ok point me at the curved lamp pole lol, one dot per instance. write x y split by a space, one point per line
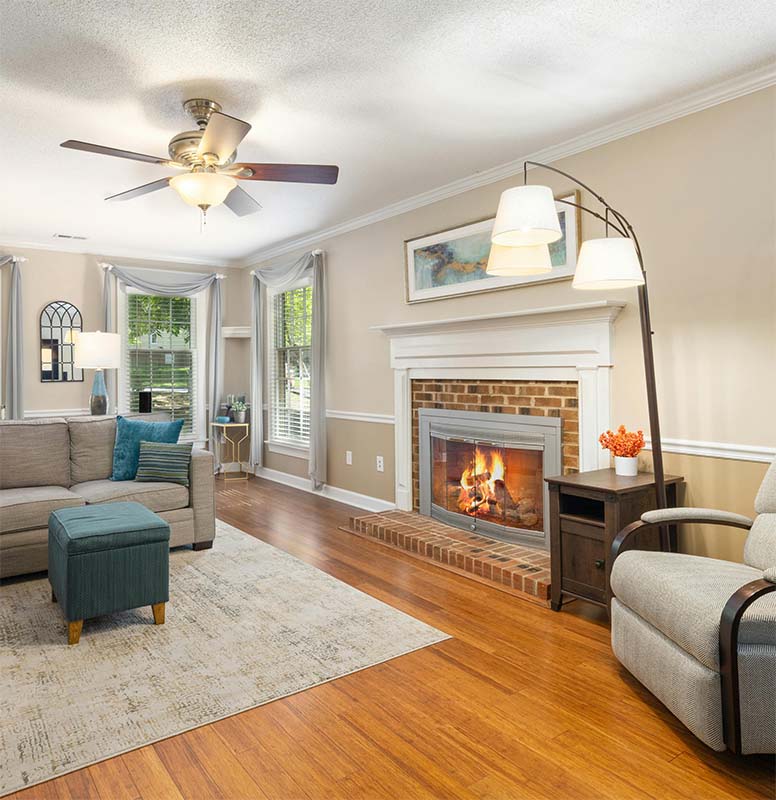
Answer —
521 223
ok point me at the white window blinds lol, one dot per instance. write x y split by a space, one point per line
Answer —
290 338
161 355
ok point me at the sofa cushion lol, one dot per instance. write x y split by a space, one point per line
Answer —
25 509
158 496
91 448
683 597
34 452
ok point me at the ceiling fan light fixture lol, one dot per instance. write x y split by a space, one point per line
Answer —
203 188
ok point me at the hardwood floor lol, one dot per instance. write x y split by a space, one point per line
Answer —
523 703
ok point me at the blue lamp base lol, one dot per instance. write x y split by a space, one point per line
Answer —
98 401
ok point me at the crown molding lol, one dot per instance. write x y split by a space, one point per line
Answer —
118 254
690 104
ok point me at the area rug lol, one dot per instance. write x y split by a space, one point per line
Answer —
246 624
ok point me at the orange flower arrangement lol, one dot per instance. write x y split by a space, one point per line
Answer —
626 444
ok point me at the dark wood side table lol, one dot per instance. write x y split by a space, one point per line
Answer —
587 510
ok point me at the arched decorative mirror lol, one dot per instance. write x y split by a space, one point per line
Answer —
60 322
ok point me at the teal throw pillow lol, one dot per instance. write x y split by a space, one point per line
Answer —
129 434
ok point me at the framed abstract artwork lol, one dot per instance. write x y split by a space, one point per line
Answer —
452 262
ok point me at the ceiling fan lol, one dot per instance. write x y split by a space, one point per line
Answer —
208 156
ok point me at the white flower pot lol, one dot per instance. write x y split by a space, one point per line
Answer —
626 465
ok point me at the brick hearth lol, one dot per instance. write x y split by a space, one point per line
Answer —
518 570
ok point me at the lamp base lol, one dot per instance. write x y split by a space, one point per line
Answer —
98 400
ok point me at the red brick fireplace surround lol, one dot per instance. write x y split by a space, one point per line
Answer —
532 398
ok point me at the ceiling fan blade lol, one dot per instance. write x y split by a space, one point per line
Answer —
289 173
241 203
138 191
222 135
72 144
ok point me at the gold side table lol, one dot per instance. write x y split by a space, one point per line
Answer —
223 427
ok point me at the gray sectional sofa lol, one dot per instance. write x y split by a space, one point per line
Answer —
53 463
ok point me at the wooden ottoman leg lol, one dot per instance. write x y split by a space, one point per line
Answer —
158 609
74 631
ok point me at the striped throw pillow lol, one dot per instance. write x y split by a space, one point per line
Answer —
164 462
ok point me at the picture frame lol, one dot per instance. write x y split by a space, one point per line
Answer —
452 262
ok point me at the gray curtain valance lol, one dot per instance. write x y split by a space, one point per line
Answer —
310 265
169 284
14 360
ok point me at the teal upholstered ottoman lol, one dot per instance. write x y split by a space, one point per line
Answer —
105 558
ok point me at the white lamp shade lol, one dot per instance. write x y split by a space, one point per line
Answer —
526 216
203 188
97 350
514 261
607 264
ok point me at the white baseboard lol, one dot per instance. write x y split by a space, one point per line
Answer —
329 492
736 452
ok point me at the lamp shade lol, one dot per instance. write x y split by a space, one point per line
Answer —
607 264
514 261
97 350
203 188
526 216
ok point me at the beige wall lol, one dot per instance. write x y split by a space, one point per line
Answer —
699 192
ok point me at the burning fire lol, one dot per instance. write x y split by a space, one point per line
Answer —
482 484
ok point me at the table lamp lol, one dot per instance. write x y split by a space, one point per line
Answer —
98 351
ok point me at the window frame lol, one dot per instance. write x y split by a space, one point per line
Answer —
200 302
279 446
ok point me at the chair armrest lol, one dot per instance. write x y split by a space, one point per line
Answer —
668 516
728 653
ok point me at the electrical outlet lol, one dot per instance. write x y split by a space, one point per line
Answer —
380 464
349 457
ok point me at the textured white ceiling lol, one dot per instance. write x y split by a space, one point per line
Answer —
404 95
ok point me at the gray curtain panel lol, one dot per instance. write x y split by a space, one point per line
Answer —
108 326
257 374
14 359
282 277
185 285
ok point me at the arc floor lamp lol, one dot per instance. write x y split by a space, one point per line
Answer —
527 222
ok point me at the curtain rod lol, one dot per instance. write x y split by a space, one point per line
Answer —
107 266
312 253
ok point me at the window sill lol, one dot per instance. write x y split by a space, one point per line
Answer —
288 449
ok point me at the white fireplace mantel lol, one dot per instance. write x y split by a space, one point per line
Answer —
567 343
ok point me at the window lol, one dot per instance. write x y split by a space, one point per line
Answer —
290 338
161 356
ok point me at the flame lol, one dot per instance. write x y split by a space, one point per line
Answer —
478 483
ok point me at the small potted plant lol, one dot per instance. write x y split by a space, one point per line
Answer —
625 446
238 410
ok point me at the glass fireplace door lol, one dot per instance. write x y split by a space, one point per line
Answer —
496 482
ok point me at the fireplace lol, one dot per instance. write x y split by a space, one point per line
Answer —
484 472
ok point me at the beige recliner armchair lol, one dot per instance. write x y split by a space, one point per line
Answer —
700 633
